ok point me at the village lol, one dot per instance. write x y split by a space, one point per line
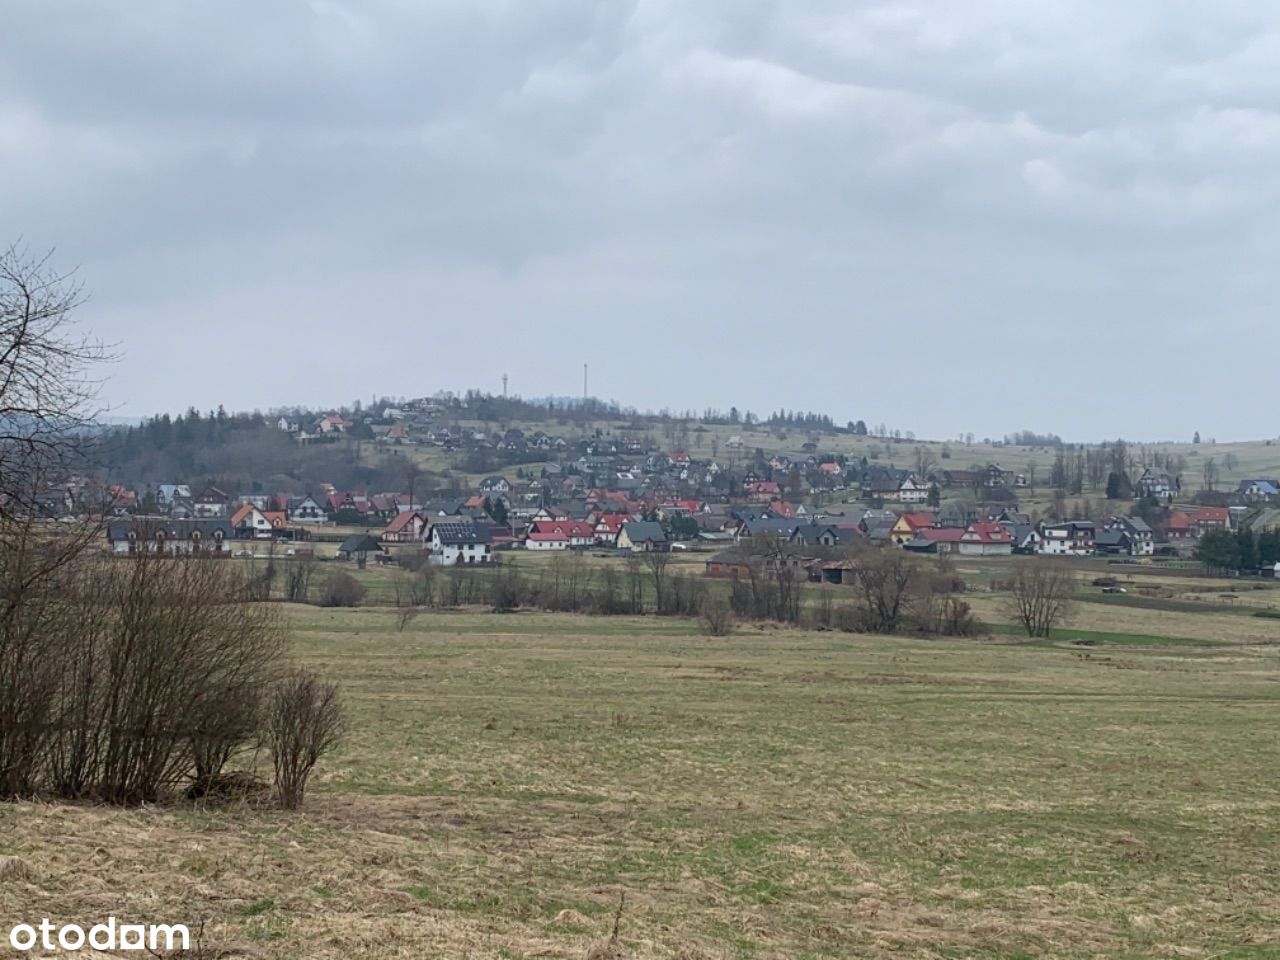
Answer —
627 491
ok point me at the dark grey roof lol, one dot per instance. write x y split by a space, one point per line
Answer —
771 527
147 528
360 543
645 531
1136 524
460 534
811 534
443 508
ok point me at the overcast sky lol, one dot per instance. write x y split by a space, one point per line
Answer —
948 216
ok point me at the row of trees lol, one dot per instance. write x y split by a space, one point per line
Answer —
1236 550
890 592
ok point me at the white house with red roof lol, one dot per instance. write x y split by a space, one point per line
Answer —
608 526
986 538
559 535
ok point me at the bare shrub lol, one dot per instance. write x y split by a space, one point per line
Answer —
717 617
506 590
343 590
165 680
305 720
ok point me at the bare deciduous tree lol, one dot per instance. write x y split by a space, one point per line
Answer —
656 562
46 396
1040 596
414 589
297 579
884 578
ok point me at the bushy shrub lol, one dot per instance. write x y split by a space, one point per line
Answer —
343 590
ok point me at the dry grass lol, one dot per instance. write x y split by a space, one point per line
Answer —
776 794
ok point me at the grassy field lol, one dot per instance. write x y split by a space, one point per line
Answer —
775 794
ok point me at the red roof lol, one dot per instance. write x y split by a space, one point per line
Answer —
612 522
1212 515
1178 521
401 521
544 531
241 514
917 520
940 534
987 531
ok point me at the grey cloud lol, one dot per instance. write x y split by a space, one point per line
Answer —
928 200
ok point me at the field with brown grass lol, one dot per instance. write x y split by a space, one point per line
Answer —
774 794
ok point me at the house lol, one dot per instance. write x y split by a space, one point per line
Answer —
1112 541
1067 538
167 493
782 510
1026 538
961 478
642 536
762 491
608 526
460 543
1257 491
1179 527
306 510
1205 519
956 513
935 540
905 527
1139 538
728 564
1156 483
495 484
560 535
911 490
212 502
406 527
358 547
775 527
211 536
250 523
986 538
996 477
332 423
816 535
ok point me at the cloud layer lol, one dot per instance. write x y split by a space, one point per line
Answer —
949 217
